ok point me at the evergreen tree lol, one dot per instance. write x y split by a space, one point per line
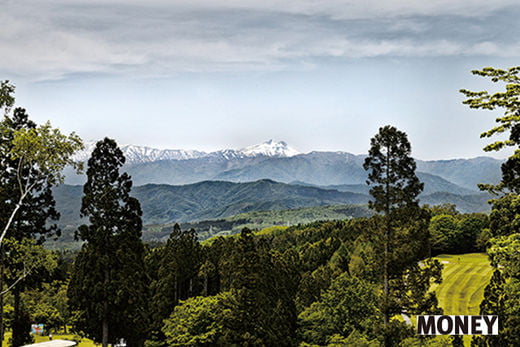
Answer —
260 310
108 287
402 227
391 175
178 265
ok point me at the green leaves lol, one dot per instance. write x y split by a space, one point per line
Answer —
508 100
197 321
47 149
350 304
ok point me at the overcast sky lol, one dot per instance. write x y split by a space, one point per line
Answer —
205 74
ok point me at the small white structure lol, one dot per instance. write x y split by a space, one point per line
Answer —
53 343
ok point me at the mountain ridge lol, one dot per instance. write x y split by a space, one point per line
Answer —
280 162
143 154
162 203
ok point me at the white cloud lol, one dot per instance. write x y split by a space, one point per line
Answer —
51 38
352 9
345 9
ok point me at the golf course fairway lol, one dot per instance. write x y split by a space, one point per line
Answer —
464 278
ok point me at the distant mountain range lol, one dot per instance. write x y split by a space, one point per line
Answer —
279 162
210 200
187 186
142 154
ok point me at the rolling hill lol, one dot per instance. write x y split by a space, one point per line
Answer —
211 200
218 199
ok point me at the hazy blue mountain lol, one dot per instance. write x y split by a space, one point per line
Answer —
217 199
211 200
279 162
321 168
467 173
465 203
432 184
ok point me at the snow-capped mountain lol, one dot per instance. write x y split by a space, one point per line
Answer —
279 162
142 154
270 149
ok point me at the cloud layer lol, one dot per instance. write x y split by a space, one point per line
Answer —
52 39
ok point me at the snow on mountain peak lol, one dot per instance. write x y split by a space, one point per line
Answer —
142 154
271 149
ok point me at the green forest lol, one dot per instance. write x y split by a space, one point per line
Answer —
336 282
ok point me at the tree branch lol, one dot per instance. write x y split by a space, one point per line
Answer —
25 273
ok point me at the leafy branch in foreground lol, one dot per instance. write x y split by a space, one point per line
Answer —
507 100
502 295
40 154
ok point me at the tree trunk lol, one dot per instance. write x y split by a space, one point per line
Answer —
1 296
17 332
105 314
386 289
176 289
104 341
387 232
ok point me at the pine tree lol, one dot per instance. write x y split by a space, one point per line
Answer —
401 228
108 285
177 275
261 310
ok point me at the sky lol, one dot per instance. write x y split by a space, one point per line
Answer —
207 75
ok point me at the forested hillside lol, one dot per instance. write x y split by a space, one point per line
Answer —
217 199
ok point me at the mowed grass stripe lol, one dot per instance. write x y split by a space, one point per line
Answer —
450 294
478 294
466 288
449 269
447 286
473 284
464 280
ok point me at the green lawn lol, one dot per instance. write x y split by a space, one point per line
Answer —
37 339
464 278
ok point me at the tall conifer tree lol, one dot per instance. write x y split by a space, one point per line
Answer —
403 227
177 275
108 285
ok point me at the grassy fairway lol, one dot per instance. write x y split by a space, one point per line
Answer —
464 278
